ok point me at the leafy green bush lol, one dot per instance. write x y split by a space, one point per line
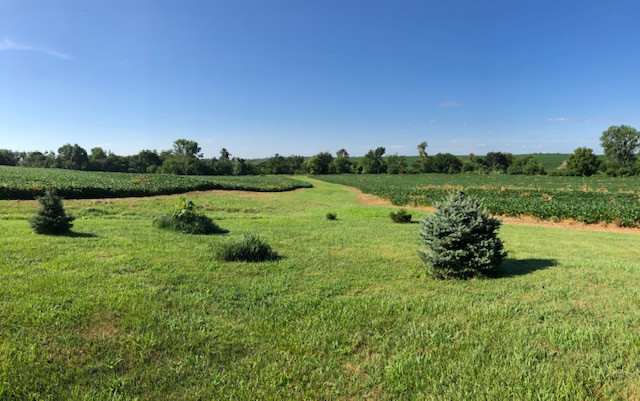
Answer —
51 218
461 239
186 219
400 216
331 216
582 162
526 165
249 248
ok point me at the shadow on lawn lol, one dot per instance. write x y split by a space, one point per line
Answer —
520 267
74 234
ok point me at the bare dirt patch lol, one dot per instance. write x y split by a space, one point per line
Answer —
103 327
373 200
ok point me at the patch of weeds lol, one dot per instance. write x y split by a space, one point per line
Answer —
187 220
249 248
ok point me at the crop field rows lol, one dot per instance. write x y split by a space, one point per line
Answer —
585 199
27 183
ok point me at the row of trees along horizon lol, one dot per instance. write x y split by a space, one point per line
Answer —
620 144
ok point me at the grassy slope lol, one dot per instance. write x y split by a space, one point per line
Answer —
124 310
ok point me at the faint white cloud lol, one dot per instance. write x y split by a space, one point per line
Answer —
209 140
432 121
449 104
398 147
560 119
9 45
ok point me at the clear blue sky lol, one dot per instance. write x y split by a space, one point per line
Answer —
300 77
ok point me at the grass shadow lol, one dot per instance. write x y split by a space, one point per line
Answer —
520 267
74 234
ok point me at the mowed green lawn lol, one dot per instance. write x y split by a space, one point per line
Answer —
122 310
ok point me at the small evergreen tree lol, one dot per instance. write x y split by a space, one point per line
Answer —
51 218
461 239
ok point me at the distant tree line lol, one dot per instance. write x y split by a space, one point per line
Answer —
184 158
620 143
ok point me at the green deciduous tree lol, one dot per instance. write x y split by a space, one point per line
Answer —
497 161
184 147
582 162
527 165
184 158
372 162
423 164
39 159
8 158
445 163
320 163
620 144
342 164
146 161
224 166
73 157
396 164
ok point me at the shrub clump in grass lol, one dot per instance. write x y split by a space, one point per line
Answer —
51 218
461 239
186 219
331 216
249 248
400 216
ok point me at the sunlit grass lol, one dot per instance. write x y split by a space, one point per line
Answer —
124 310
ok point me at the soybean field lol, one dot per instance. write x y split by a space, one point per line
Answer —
586 199
28 183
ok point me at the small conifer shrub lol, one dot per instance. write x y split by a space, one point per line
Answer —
51 218
461 239
184 218
331 216
400 216
249 248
